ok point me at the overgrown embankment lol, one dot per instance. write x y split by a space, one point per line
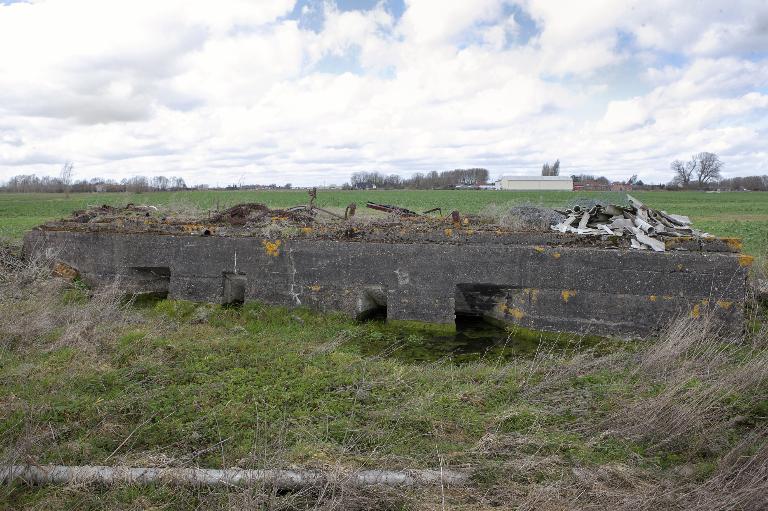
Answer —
88 378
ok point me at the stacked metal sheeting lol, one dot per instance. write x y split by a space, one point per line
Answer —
647 227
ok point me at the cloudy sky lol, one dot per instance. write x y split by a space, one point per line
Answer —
309 91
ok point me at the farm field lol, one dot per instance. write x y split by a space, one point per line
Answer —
739 214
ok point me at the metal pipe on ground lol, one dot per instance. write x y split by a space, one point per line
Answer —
276 478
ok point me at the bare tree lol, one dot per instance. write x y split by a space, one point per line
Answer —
708 168
66 176
705 167
683 171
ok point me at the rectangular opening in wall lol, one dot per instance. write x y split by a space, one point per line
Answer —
234 288
372 304
149 280
477 299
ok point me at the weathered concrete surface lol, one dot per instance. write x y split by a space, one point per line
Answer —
563 288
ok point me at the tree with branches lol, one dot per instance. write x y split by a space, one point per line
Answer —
703 167
708 168
683 172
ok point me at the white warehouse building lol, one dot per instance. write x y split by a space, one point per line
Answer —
564 183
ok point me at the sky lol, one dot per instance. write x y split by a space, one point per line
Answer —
309 91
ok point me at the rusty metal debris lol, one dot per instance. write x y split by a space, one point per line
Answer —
388 208
311 209
253 212
647 227
247 215
399 210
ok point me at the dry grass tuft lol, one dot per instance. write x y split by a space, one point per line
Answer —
691 380
741 478
37 310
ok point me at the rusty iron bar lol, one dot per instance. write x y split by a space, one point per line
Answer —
388 208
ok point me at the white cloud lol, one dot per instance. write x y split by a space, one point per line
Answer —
216 91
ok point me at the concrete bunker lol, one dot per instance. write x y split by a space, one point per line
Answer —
430 270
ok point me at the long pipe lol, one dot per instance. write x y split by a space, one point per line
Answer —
281 479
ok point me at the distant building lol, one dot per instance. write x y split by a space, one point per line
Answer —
564 183
592 185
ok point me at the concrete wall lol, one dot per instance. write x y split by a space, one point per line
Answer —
578 289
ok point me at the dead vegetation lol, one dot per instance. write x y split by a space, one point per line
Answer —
37 311
699 377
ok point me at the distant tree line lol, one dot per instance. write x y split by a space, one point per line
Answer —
422 181
45 184
585 178
752 183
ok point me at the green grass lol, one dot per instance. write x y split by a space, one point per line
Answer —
257 378
738 214
256 387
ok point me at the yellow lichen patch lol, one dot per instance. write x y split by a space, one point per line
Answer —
466 221
449 232
512 311
679 267
533 294
540 250
705 302
306 230
734 243
469 232
746 260
724 304
696 311
556 255
668 297
567 294
652 298
272 248
315 288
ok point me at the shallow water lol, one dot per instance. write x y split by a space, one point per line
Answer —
475 339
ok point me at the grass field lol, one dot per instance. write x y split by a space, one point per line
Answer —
737 214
